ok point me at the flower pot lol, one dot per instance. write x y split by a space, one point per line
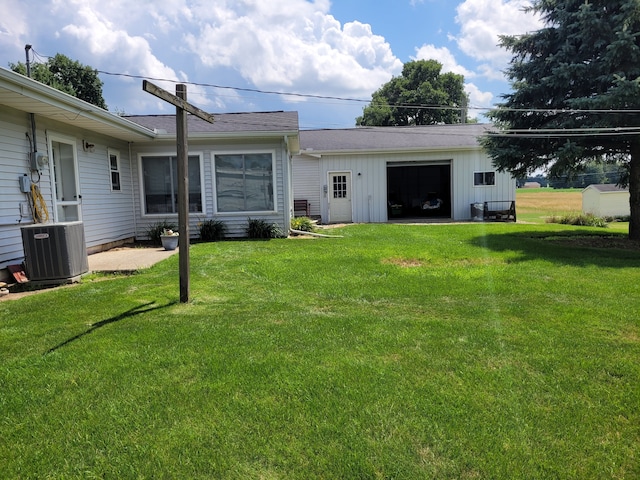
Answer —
169 242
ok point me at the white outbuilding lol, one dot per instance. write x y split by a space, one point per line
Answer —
380 174
606 200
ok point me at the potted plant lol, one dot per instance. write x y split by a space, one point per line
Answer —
169 239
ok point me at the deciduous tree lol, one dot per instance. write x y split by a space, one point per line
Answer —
576 93
422 95
66 75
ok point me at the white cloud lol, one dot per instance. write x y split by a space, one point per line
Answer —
481 24
478 98
445 57
297 43
282 45
14 28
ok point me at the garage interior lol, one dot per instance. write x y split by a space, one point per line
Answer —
418 190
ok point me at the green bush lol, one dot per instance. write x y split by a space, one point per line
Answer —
212 230
582 219
304 224
154 230
261 229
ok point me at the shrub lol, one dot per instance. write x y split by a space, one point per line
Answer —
212 230
261 229
304 224
582 219
156 229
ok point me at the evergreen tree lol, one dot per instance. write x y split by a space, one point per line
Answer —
414 98
581 71
66 75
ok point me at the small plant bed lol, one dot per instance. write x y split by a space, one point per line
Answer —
580 219
212 230
258 229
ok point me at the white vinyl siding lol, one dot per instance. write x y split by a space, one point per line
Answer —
107 218
236 222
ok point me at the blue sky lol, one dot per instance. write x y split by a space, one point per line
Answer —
343 48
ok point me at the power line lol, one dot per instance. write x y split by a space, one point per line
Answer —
555 111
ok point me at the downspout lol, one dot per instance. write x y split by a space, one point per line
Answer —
287 152
33 163
133 197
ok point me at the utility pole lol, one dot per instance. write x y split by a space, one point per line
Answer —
182 149
28 64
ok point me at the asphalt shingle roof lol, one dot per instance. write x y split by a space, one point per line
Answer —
224 122
608 187
393 138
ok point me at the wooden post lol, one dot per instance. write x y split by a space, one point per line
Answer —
182 107
183 193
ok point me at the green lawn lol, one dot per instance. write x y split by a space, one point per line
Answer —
479 351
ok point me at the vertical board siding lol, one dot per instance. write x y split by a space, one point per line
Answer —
306 172
369 180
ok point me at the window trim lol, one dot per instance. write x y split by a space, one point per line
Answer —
484 173
274 178
143 203
115 153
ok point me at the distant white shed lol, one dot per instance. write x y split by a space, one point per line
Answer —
605 200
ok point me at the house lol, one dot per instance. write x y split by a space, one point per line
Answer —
377 174
239 167
606 200
64 160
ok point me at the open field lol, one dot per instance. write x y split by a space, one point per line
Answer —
478 351
537 204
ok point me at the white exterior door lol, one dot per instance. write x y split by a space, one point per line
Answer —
65 180
340 197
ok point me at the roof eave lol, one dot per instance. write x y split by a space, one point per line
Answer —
68 109
381 151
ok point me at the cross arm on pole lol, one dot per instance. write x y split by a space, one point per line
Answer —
177 101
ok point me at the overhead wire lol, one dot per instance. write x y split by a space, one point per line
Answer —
339 99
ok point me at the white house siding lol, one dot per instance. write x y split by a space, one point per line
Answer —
305 180
369 181
107 216
14 149
236 223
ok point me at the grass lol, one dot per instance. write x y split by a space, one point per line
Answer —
495 351
540 205
537 204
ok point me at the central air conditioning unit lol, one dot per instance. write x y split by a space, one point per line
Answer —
55 253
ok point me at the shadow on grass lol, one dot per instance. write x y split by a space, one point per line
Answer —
574 247
145 308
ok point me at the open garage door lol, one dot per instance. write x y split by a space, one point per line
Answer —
419 190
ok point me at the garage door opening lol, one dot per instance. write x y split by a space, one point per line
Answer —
418 190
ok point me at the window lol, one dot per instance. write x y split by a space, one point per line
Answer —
114 169
339 186
484 178
244 182
160 184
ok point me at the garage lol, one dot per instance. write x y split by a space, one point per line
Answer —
416 190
